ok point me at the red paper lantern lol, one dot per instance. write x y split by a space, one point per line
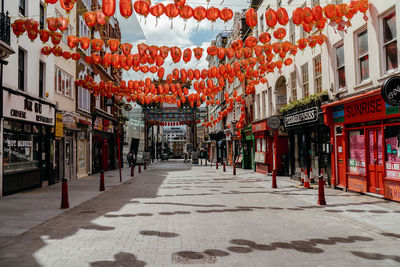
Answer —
66 55
51 1
90 18
52 24
280 33
226 14
75 56
67 5
212 14
171 10
113 44
282 16
100 17
288 61
32 34
126 48
44 35
198 52
73 41
297 16
108 7
62 23
97 44
317 13
57 51
85 42
125 8
199 13
176 54
251 41
251 17
56 38
271 18
308 15
264 37
187 55
18 27
47 50
330 11
157 10
142 7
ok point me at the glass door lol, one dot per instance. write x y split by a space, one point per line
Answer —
375 161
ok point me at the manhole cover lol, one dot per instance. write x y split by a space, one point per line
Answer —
191 257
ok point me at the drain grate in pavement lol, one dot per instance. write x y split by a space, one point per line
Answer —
191 257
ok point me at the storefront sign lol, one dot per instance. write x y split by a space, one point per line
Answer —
68 118
302 117
259 127
21 108
390 91
59 125
274 122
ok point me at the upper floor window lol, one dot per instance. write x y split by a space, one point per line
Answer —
63 82
292 32
293 85
84 31
337 2
42 68
88 4
315 3
21 69
22 7
42 16
262 23
67 33
340 68
390 41
304 76
363 57
318 74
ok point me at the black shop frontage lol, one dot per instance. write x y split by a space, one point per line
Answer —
309 142
28 142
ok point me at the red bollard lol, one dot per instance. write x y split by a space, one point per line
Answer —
132 170
273 185
223 165
234 169
321 190
102 188
302 176
144 165
216 165
140 168
306 180
64 194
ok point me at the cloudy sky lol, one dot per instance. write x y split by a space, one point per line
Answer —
138 29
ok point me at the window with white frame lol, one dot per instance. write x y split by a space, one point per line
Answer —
315 3
292 32
390 49
362 56
340 68
293 85
88 4
303 33
67 33
84 31
338 2
305 80
263 104
63 82
318 74
258 107
262 23
83 97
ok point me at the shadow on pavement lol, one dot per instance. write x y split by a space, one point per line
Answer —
375 256
16 252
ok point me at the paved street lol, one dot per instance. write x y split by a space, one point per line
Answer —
176 214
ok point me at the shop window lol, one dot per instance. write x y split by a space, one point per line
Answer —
356 156
304 75
318 74
363 57
63 82
20 152
41 79
340 68
390 49
392 143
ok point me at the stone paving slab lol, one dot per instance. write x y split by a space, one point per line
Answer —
176 214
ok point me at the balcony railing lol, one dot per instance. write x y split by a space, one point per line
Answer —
5 27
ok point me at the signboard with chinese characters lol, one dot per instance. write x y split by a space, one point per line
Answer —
21 108
59 125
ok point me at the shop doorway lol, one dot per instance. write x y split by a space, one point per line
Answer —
375 161
340 156
68 158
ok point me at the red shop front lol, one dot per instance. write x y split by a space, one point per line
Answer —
365 135
263 147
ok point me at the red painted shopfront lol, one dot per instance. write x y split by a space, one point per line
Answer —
365 135
263 147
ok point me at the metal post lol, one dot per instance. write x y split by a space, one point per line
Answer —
102 187
321 191
119 157
223 165
132 170
274 185
64 194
